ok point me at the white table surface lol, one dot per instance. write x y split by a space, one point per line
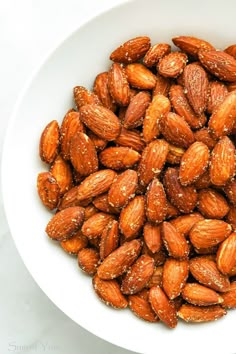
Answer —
29 321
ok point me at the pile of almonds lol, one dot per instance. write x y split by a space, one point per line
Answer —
142 180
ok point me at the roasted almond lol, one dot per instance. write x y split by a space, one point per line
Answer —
156 202
217 92
204 181
48 190
162 86
101 203
49 142
65 223
109 292
212 204
132 50
88 260
75 243
118 85
184 223
152 237
200 295
69 199
174 241
191 313
61 170
131 139
231 217
141 307
191 45
136 110
203 135
171 211
230 191
172 65
140 77
102 121
156 279
101 89
229 298
109 239
226 255
119 260
175 154
132 217
94 226
119 158
155 53
98 142
83 96
175 274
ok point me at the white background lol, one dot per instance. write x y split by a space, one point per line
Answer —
29 322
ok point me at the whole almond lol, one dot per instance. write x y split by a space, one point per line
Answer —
184 223
109 292
231 217
156 202
218 63
102 121
191 313
69 199
71 124
118 85
140 77
176 130
61 170
132 217
182 107
204 181
75 243
132 50
94 226
196 86
48 190
171 211
217 92
200 295
65 223
136 110
191 45
222 162
152 160
230 191
109 239
155 53
119 158
138 275
152 237
174 241
226 254
194 163
156 279
209 232
102 204
172 65
223 116
231 50
205 271
141 307
83 96
175 274
162 306
184 198
159 106
97 183
175 154
101 89
123 189
49 142
88 260
162 86
203 135
212 204
131 139
229 298
119 260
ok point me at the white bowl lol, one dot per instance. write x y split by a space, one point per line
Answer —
48 96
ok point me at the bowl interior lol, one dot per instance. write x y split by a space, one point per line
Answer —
48 96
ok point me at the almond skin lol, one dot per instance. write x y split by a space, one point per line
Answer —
172 65
184 223
140 77
109 292
83 154
102 204
217 92
193 163
218 63
175 274
159 106
175 154
209 232
98 142
69 199
205 271
138 275
191 313
97 183
203 135
141 307
212 204
182 107
191 45
136 110
132 50
176 130
204 181
71 124
200 295
83 96
109 239
65 223
222 162
184 198
118 85
119 260
230 191
196 86
49 142
61 170
152 237
162 306
119 158
100 88
156 202
162 86
226 254
75 243
48 190
231 217
155 53
223 116
123 189
156 279
229 298
174 241
231 50
94 226
131 139
132 217
88 260
152 161
102 121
